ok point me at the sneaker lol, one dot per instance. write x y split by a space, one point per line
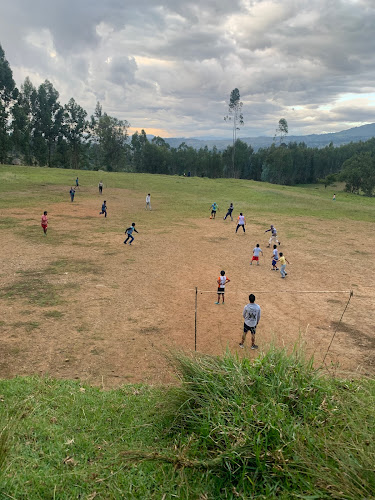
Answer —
125 243
217 303
279 242
241 345
254 347
286 274
283 277
277 269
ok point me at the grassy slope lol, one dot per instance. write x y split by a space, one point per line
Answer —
333 444
191 197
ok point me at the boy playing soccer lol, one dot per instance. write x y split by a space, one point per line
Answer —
251 315
221 281
214 207
256 253
148 201
44 223
283 261
129 232
273 238
241 222
229 212
104 209
275 258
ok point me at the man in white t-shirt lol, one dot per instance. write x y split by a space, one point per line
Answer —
148 201
241 222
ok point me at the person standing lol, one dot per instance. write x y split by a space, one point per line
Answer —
334 198
283 260
251 315
77 183
229 212
44 222
256 253
100 186
72 192
129 232
148 201
221 282
104 209
241 222
275 258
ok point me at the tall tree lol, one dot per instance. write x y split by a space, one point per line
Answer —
7 93
235 115
22 124
75 131
48 119
282 129
110 135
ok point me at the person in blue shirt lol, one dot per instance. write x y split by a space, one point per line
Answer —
104 209
214 207
129 232
72 192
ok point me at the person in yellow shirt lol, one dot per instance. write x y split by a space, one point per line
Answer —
282 262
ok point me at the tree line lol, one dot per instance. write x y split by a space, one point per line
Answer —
36 129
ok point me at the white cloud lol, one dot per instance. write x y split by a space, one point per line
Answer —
172 66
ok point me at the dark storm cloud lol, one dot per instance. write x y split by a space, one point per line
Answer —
172 66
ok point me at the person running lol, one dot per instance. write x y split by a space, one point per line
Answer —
72 192
221 281
129 232
251 315
256 253
214 208
241 222
275 258
229 212
44 222
273 238
100 186
282 262
148 201
104 209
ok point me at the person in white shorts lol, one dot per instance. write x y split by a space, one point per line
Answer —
273 239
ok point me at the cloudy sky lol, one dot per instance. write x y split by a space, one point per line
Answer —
169 67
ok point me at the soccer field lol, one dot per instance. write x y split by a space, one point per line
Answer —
78 303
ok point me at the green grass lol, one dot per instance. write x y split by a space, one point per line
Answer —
175 197
234 428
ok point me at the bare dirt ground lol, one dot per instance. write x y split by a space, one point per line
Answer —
120 308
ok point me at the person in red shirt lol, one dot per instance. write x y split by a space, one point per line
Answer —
44 222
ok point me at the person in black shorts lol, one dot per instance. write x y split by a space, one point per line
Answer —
229 213
251 315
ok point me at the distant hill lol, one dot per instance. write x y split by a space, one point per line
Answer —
355 134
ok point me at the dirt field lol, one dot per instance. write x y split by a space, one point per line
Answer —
81 304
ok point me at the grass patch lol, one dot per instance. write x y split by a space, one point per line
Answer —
35 288
8 222
28 325
234 428
54 314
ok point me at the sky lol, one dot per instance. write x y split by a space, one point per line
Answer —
169 67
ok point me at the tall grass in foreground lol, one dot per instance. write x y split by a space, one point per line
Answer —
272 427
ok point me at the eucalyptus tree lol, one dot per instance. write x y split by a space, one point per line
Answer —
76 131
236 117
7 94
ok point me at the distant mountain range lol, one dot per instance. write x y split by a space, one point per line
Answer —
355 134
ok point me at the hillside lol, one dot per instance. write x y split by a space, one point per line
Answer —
355 134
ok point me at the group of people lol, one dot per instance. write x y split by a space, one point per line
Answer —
128 231
251 312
